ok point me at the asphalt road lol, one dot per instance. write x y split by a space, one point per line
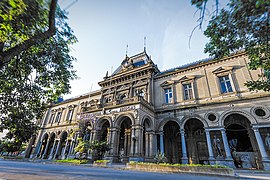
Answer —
17 170
29 170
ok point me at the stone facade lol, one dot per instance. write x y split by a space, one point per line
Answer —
197 113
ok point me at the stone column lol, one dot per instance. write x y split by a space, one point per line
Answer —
226 145
57 149
126 143
39 145
209 145
151 141
94 135
28 150
65 148
133 141
46 149
51 153
184 147
161 142
139 144
113 140
260 143
109 136
146 153
71 147
113 153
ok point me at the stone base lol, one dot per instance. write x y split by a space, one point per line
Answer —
184 160
136 159
266 165
212 161
225 162
72 156
63 156
149 159
113 159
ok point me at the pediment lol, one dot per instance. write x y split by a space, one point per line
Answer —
167 83
222 69
187 78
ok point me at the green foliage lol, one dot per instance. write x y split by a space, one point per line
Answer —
100 147
38 75
160 158
73 161
82 149
180 165
11 147
102 161
242 25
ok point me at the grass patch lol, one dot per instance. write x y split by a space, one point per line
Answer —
73 161
180 165
102 161
12 157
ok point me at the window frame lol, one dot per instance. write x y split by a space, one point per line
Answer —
51 120
225 71
188 87
167 98
223 83
70 114
189 79
58 117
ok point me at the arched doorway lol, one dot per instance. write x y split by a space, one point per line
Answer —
62 145
43 145
172 143
50 146
196 142
147 138
103 132
241 140
124 146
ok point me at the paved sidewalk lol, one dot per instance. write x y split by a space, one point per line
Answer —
252 174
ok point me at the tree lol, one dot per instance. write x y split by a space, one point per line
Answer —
82 149
36 66
243 25
100 148
13 10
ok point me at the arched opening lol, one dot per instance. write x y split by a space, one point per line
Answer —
124 146
196 142
172 143
51 143
146 138
62 145
103 133
43 144
241 140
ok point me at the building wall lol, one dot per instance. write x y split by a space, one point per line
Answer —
146 121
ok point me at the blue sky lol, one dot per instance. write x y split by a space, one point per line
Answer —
105 27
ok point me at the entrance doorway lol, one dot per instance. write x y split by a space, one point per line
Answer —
196 142
241 140
124 146
172 143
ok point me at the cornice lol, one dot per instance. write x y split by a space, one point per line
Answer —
199 65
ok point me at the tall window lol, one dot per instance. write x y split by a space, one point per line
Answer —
188 91
58 117
225 84
70 114
168 95
51 118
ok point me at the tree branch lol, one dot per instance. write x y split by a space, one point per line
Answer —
6 56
